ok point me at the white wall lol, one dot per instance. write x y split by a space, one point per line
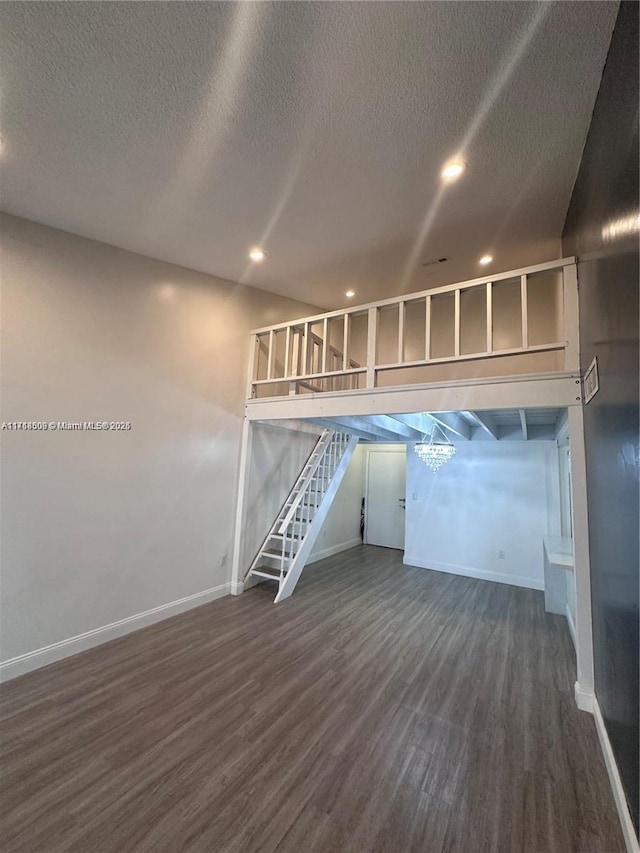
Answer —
100 526
341 529
491 497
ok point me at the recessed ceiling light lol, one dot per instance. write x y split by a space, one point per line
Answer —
452 171
257 255
485 259
350 294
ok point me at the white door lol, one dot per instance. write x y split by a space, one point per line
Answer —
385 497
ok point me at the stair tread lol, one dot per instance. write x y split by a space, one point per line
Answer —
267 572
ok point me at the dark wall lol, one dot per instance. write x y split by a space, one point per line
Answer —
602 229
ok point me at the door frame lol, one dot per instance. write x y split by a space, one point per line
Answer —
395 447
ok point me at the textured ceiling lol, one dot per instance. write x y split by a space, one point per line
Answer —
192 131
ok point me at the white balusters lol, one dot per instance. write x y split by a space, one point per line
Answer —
372 330
489 317
427 328
402 311
319 356
456 324
524 308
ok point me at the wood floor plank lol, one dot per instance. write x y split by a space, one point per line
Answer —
382 708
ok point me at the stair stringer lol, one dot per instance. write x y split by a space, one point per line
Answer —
295 570
307 472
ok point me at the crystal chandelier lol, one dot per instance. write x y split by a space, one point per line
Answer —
435 453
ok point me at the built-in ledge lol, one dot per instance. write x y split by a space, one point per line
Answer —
558 560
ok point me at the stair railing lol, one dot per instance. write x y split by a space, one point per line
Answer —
293 529
327 438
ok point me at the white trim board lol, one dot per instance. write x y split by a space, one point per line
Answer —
570 623
471 572
22 664
584 698
333 549
519 391
626 823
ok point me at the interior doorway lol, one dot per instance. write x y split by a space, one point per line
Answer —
385 487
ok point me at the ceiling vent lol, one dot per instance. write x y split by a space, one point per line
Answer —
434 261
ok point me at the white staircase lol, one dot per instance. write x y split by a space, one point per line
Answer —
295 530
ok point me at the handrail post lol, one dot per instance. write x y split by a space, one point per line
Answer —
325 344
271 354
427 328
305 349
372 331
489 317
346 341
524 310
402 306
253 361
570 317
287 352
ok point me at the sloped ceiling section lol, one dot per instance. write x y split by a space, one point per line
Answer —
191 132
541 424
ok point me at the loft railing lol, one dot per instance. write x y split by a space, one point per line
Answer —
518 313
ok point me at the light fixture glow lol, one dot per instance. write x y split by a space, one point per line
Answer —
485 259
350 294
167 292
435 453
623 226
452 171
257 255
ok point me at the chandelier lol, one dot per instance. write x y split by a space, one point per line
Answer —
435 453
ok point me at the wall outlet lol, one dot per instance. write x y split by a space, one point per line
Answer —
222 561
501 555
414 496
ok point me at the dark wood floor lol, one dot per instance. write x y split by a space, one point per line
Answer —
381 708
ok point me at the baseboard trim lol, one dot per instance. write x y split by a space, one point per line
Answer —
333 549
626 823
243 586
470 572
22 664
572 627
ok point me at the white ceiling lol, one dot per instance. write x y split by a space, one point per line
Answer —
541 424
192 131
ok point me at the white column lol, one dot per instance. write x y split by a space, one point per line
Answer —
584 690
237 569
